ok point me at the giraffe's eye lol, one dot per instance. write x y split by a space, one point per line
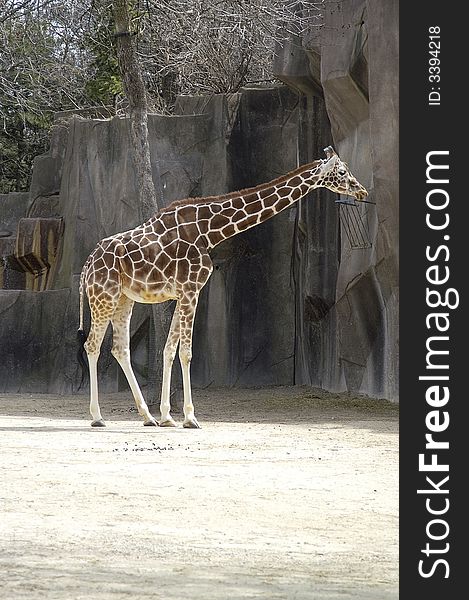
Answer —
342 171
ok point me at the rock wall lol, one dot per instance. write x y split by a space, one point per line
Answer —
13 207
289 301
245 328
352 62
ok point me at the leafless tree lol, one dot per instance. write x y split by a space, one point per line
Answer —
49 47
215 46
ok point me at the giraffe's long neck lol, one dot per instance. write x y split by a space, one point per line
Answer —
235 213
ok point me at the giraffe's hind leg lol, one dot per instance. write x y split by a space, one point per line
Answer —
99 325
121 352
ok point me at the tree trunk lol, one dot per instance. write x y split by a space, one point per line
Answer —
149 191
135 92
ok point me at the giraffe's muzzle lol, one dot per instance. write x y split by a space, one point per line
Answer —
358 191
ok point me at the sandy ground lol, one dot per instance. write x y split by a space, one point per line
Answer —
285 493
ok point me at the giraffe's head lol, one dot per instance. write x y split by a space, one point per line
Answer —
336 176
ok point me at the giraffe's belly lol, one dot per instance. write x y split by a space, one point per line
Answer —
149 296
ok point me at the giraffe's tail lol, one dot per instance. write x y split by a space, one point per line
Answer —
81 335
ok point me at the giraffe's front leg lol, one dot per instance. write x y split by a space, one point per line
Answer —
121 352
190 421
168 359
187 313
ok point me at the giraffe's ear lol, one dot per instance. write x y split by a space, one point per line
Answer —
330 152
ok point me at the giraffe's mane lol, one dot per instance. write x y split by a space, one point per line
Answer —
230 195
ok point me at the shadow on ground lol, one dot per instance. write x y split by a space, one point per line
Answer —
277 405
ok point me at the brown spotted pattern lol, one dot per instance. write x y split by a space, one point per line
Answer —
167 257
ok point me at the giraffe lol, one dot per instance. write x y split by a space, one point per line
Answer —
168 258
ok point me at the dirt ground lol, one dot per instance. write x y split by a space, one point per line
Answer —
285 493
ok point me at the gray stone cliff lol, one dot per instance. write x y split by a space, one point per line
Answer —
289 301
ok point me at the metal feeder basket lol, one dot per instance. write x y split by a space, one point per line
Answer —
354 222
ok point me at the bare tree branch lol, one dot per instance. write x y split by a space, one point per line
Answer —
57 55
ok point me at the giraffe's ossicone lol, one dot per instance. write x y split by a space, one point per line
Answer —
168 258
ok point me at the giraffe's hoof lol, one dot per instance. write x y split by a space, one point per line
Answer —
168 423
98 423
191 424
150 423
